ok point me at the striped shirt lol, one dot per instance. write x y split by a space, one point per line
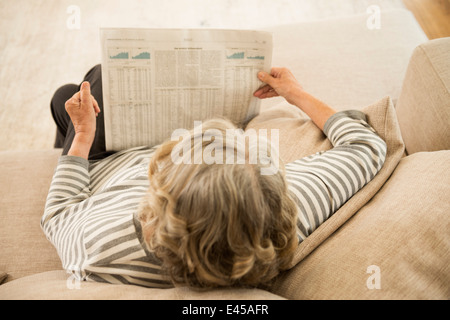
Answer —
91 210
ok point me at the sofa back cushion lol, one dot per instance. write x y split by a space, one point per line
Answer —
423 108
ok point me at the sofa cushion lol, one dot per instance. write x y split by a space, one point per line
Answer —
26 178
396 247
55 285
423 108
299 137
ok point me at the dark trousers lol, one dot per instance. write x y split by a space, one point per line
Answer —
65 131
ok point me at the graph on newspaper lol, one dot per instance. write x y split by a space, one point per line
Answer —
156 81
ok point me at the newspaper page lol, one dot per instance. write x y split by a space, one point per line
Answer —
158 80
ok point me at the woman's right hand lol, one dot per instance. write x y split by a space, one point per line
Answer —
280 82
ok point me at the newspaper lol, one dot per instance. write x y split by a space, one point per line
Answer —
158 80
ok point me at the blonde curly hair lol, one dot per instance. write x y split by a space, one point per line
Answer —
217 225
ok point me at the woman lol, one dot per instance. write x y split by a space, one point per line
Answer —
137 217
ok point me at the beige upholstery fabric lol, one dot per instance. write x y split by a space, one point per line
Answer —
26 177
3 276
343 62
403 230
423 108
299 137
56 285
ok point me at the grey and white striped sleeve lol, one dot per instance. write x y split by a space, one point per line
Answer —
321 183
97 235
69 189
70 186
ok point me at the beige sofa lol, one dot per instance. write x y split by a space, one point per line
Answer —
390 241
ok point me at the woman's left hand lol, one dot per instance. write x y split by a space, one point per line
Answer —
83 110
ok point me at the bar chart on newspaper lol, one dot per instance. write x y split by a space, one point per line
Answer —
157 81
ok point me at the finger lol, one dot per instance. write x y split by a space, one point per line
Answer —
85 92
269 94
262 90
96 106
75 97
97 110
275 72
266 78
74 101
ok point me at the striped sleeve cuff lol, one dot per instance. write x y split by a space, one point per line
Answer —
353 114
78 161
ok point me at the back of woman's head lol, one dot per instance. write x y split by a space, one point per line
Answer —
217 224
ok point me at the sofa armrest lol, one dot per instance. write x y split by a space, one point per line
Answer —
26 178
423 108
